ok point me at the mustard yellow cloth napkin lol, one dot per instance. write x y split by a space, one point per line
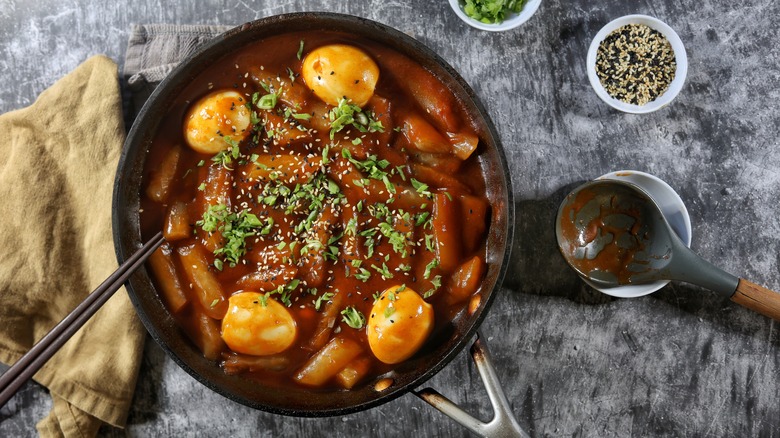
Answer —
56 177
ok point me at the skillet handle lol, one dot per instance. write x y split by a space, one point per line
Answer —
503 423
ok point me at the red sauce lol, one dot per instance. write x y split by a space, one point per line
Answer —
603 231
446 221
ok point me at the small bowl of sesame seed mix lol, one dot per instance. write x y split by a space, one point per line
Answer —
637 64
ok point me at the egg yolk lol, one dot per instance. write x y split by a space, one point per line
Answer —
400 323
215 116
340 71
257 327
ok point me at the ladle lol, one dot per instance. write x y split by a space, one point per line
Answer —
613 233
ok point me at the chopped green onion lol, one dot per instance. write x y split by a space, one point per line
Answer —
348 114
267 102
291 75
430 267
235 228
353 318
421 218
492 11
324 298
384 271
363 275
429 243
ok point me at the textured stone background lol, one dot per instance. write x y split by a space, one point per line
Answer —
574 362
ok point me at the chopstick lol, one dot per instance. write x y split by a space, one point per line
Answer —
40 353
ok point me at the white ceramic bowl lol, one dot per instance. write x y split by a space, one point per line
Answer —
679 54
512 20
675 213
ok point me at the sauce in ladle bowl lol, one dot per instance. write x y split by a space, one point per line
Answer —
603 231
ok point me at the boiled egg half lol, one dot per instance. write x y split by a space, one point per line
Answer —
217 115
257 325
340 71
400 323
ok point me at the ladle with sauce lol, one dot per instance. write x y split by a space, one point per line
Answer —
613 233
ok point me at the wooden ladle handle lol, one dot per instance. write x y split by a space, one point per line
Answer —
757 298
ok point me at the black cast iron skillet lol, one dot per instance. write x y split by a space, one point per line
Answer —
161 324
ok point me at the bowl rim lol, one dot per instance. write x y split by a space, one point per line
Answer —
681 58
514 20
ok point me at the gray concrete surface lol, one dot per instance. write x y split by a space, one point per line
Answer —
574 362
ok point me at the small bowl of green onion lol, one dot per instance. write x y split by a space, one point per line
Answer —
495 15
